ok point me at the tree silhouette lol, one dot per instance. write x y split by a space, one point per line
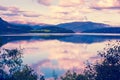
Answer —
42 77
10 60
109 68
73 76
25 74
12 67
3 75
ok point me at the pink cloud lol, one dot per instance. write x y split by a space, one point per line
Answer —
11 9
9 12
106 4
14 9
62 3
71 3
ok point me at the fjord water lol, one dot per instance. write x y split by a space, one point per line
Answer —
48 53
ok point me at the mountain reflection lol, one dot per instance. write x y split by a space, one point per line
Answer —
65 38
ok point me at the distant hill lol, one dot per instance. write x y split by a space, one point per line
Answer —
82 26
10 28
89 27
104 30
7 28
52 29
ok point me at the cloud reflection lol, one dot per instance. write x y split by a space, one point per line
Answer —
55 54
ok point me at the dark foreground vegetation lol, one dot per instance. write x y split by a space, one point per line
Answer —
12 67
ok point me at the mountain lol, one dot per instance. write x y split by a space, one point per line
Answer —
82 26
7 28
89 27
52 29
35 27
12 28
104 30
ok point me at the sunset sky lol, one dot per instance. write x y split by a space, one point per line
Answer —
60 11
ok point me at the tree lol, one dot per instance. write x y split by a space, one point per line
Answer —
3 75
25 74
73 76
109 68
11 60
42 77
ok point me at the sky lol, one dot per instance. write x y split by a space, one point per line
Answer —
60 11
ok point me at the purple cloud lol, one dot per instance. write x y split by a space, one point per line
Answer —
10 14
65 13
31 15
45 2
101 8
14 9
2 8
11 9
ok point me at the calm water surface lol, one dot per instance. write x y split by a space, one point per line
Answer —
48 53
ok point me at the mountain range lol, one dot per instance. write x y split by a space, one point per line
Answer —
12 28
7 28
77 27
104 30
82 26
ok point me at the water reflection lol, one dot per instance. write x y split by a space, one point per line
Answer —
74 38
60 53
